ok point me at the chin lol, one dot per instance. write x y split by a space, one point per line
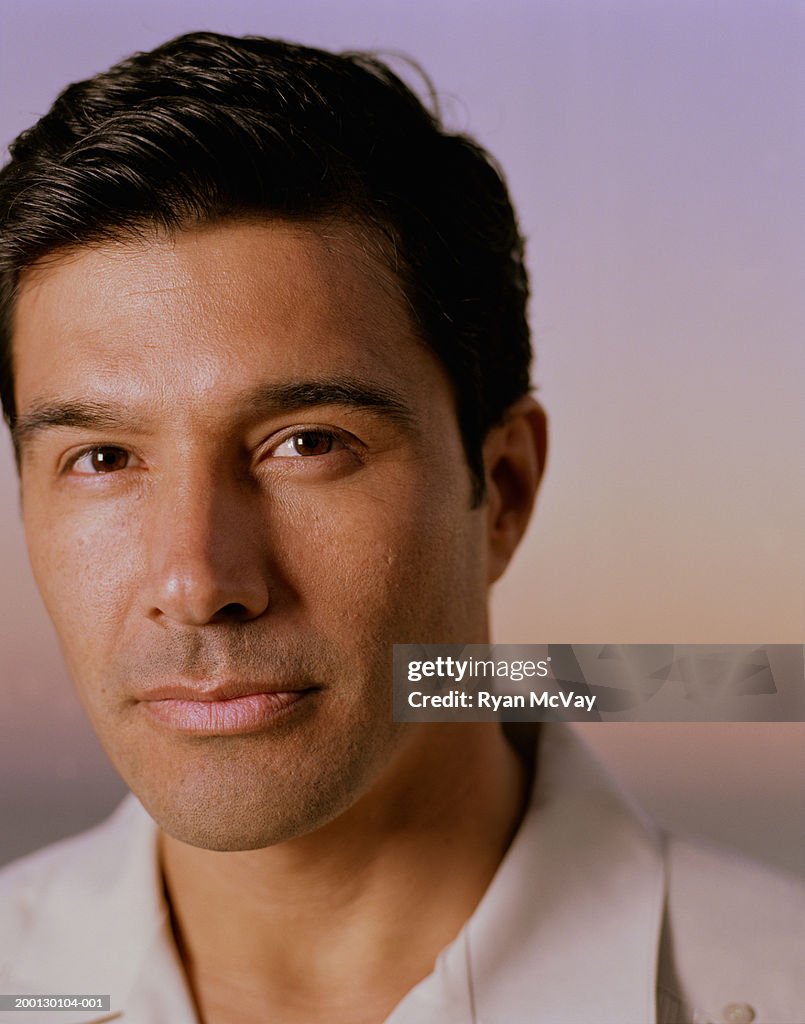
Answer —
216 822
230 803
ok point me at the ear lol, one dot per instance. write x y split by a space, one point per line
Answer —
514 460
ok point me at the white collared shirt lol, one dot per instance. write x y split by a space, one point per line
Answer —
592 918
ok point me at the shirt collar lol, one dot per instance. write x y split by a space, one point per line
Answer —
100 925
569 928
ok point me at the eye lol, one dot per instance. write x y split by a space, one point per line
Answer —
103 459
307 442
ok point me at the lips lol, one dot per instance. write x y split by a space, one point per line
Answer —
215 691
223 710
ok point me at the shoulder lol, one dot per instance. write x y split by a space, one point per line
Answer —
62 889
84 860
734 935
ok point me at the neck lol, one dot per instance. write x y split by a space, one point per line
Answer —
361 905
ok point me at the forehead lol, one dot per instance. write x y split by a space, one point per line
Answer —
212 306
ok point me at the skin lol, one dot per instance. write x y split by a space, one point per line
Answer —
195 535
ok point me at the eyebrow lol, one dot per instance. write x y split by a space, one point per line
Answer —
265 400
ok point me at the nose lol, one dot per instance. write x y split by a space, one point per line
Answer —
208 563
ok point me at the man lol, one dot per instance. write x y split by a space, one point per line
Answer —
267 374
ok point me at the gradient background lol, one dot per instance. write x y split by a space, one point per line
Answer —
655 153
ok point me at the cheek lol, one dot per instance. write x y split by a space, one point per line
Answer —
401 565
84 566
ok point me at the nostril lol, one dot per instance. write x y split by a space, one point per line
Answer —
233 612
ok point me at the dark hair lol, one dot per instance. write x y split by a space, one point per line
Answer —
209 126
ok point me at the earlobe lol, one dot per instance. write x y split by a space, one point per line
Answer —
514 459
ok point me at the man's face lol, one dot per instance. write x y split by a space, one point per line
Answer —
241 474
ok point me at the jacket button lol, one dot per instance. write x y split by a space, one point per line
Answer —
738 1013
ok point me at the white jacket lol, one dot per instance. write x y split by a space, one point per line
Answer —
594 917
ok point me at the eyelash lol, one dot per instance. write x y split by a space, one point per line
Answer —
329 435
74 459
326 434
